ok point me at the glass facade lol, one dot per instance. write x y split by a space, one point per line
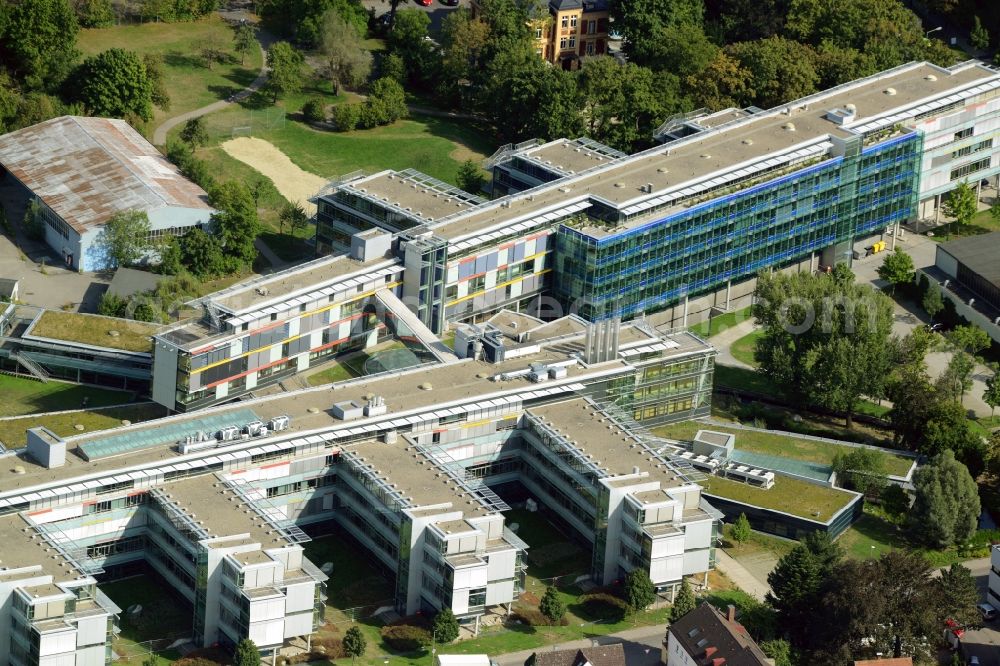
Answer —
733 237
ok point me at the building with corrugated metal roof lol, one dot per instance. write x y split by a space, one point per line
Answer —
81 171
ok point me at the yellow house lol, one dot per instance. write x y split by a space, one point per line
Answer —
574 29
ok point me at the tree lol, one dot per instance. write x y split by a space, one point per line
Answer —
824 338
345 117
445 627
961 204
170 256
947 429
314 110
124 239
346 59
195 132
622 104
946 508
202 254
958 594
95 13
392 66
797 584
643 21
639 590
115 83
683 49
781 69
991 395
740 531
157 78
236 224
722 84
470 177
286 75
932 301
354 643
551 606
979 37
244 40
463 41
293 215
246 654
387 100
861 469
779 650
969 338
39 41
684 602
897 269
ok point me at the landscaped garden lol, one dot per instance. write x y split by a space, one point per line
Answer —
124 334
798 498
65 424
24 395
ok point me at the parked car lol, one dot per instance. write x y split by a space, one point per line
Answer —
424 3
450 3
987 611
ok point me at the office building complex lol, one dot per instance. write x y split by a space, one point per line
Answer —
218 502
968 272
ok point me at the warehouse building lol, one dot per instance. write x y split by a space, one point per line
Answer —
81 171
219 501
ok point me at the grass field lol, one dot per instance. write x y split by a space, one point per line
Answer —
127 335
758 543
785 446
982 223
30 396
711 328
743 349
789 495
64 425
190 83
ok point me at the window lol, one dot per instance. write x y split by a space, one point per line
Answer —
591 27
967 132
969 168
973 148
538 33
572 42
562 43
590 48
572 21
538 52
565 22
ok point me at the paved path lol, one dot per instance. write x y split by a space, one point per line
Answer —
160 133
742 578
277 263
724 341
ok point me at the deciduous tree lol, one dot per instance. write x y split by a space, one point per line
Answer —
236 224
445 627
991 395
246 654
740 532
862 469
959 594
194 132
932 302
115 83
642 22
285 63
722 84
946 508
244 40
346 59
294 216
979 37
39 41
780 69
125 237
897 268
961 204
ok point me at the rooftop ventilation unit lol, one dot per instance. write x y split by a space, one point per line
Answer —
279 423
890 91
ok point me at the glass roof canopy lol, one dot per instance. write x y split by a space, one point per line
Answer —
171 433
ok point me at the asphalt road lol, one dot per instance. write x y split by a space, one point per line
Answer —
436 10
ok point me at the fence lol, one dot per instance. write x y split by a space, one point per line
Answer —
239 121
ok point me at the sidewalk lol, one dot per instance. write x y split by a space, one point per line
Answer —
742 578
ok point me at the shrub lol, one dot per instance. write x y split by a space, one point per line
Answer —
405 637
314 110
346 116
535 618
604 605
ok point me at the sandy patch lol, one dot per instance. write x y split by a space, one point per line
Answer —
292 182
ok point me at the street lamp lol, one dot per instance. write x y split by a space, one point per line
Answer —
928 33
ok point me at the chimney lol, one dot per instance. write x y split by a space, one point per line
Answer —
731 613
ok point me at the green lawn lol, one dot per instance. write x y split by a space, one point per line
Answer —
64 425
982 223
711 328
30 396
355 579
190 83
435 146
785 446
337 372
743 349
742 379
798 498
758 542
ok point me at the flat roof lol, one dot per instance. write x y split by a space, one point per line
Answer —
416 477
606 444
215 507
462 382
94 331
412 192
980 254
569 156
22 547
719 150
88 169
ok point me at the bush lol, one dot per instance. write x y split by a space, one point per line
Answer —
604 605
346 116
405 637
314 110
535 618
